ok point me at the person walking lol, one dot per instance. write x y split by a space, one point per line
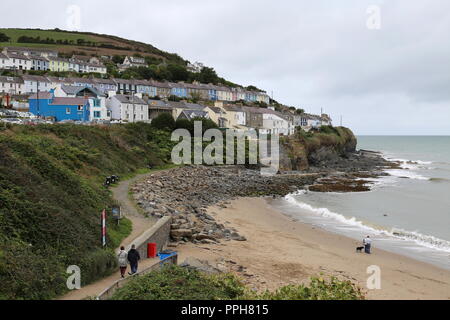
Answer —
133 258
123 261
367 244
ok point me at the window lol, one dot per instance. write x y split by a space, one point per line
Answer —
97 114
67 110
80 108
96 102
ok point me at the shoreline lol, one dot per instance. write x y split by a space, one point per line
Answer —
281 250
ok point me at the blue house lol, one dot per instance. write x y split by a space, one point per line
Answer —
179 90
212 92
45 104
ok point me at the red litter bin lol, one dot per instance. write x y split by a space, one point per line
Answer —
152 250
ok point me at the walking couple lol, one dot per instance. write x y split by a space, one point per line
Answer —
131 257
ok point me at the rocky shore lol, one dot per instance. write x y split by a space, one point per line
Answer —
185 193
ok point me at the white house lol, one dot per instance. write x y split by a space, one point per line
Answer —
3 61
18 62
11 85
224 94
130 62
39 63
275 123
129 108
35 83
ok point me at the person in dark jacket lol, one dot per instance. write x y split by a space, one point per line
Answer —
133 258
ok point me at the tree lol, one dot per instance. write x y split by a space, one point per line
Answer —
179 73
118 59
185 124
164 122
208 75
4 38
299 111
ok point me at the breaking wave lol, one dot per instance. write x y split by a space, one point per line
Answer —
396 233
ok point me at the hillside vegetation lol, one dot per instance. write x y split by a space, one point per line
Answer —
86 42
300 151
176 283
51 197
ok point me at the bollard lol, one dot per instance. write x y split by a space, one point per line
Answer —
152 249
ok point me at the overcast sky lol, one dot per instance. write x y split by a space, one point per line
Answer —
384 76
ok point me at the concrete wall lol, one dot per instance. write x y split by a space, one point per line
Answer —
159 234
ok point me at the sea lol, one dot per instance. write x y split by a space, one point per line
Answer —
407 212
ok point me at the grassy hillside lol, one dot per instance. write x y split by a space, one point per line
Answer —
176 283
51 197
94 44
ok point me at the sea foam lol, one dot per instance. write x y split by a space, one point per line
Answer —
395 233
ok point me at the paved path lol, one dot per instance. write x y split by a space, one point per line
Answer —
140 225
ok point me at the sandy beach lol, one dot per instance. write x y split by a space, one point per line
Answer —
281 251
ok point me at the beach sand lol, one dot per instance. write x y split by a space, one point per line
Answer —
280 251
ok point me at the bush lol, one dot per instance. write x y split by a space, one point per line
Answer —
164 121
318 289
177 283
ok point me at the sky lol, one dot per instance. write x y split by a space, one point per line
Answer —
383 66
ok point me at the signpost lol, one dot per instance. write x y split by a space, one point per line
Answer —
117 213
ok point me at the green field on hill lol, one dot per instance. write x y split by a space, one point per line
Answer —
14 34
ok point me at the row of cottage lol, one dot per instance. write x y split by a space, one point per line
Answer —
82 103
17 58
28 84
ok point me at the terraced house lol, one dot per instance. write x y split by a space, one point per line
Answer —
36 83
128 108
59 64
12 85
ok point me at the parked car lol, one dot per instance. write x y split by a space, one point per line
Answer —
12 120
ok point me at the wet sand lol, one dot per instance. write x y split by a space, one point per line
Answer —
281 251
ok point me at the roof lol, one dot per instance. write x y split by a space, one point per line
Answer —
45 95
129 99
35 78
33 57
17 56
195 114
69 101
58 59
11 79
2 56
233 109
73 90
217 110
60 80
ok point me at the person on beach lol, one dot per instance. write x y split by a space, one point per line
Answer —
133 258
123 261
367 244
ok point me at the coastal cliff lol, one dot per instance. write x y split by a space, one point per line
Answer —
324 148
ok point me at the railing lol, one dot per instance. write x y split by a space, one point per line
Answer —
109 292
